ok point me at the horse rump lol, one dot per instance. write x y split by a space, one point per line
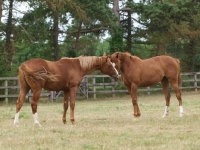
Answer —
40 74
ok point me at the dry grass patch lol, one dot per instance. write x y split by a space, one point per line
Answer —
105 124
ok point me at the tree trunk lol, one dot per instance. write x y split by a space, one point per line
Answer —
116 43
55 36
77 35
1 3
193 48
129 39
9 47
116 11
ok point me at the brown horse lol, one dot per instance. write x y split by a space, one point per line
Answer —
141 73
65 74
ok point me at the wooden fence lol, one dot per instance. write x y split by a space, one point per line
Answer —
92 85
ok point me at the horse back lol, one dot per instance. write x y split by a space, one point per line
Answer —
151 71
34 65
169 63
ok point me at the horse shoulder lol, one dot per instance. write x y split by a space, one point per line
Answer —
70 69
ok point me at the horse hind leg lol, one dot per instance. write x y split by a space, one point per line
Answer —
24 88
19 104
65 106
178 95
165 87
34 103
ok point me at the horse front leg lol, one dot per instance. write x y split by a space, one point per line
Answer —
34 103
73 91
134 100
65 106
165 87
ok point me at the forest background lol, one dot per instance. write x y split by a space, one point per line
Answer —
51 29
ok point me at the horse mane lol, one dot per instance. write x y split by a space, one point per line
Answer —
70 57
177 60
39 75
131 56
87 62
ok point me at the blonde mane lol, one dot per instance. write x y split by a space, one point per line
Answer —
69 57
87 62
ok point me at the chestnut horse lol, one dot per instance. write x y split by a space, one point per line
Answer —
136 72
65 74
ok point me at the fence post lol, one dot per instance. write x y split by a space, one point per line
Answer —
195 81
18 84
113 88
52 96
148 90
87 86
94 88
6 90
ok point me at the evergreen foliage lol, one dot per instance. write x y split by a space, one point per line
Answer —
63 28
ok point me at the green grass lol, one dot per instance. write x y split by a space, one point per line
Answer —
105 124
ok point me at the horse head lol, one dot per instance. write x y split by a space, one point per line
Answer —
109 68
116 59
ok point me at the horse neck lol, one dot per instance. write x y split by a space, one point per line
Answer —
128 61
91 65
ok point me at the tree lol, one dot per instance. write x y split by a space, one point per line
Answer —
9 46
59 8
116 42
166 22
53 28
100 19
1 10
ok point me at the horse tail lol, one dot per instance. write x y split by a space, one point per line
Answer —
179 80
22 79
179 74
41 74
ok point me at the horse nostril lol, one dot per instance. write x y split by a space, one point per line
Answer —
115 77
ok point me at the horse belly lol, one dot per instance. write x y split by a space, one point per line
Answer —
150 80
148 83
53 86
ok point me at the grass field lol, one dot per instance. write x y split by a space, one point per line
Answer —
105 124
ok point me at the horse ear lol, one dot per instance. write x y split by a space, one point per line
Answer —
107 58
104 54
117 55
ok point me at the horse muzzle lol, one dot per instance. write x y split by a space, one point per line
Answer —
115 77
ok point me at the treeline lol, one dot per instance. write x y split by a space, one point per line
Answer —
51 29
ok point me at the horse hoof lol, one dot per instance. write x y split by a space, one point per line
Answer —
181 115
73 121
38 124
64 121
136 115
16 124
164 115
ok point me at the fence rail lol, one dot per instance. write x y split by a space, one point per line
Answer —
93 85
